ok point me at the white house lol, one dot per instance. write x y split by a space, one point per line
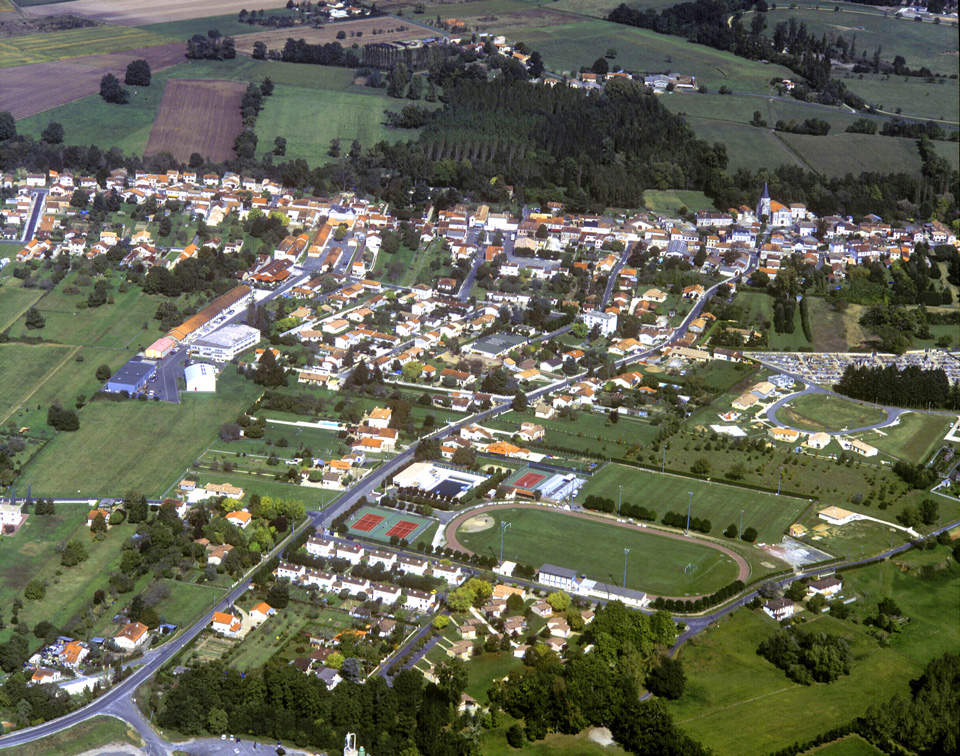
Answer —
605 321
290 571
320 547
826 587
388 594
413 565
420 601
226 624
780 609
132 636
385 558
350 552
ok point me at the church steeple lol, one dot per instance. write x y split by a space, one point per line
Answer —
763 204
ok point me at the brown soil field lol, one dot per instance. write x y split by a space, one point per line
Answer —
197 116
139 12
360 32
25 90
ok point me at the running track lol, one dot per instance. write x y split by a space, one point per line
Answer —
450 533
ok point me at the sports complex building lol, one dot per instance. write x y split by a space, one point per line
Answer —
449 482
529 482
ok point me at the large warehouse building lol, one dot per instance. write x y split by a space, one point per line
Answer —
132 377
201 378
226 343
216 312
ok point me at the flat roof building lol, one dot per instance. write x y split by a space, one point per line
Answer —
226 343
132 377
209 314
160 348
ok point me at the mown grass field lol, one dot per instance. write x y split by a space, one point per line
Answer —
86 736
729 684
853 745
136 445
73 43
819 412
655 564
309 119
587 432
187 602
913 439
739 109
14 301
747 147
567 47
721 504
758 307
669 201
840 154
23 368
914 95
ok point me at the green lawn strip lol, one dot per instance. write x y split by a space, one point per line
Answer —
913 438
819 412
23 368
136 445
312 498
669 201
656 564
721 504
95 732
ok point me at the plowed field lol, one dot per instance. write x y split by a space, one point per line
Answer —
197 116
137 12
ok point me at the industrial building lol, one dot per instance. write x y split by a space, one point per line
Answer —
160 348
201 378
226 343
132 377
221 308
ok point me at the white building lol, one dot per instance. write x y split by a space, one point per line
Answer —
226 343
320 547
201 378
420 601
10 514
558 577
780 609
132 636
605 321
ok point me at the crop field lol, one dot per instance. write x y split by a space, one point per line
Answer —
738 109
839 154
933 46
567 47
69 80
197 116
381 30
721 504
913 439
747 146
310 119
74 43
226 24
915 96
729 684
136 12
825 412
656 563
118 448
23 368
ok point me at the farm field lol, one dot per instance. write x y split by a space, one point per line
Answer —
91 734
747 146
721 504
381 30
656 564
197 116
23 368
227 24
913 438
829 327
74 43
819 412
73 79
839 154
669 201
567 47
914 95
91 460
728 683
309 119
135 12
15 301
852 745
738 109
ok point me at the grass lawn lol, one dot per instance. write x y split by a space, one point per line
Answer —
669 201
914 96
721 504
820 412
585 432
73 43
853 745
23 368
728 684
554 744
839 154
758 308
486 668
309 120
187 602
136 445
567 47
913 438
93 733
14 301
657 564
22 556
312 498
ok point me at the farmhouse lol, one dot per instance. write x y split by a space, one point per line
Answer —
780 609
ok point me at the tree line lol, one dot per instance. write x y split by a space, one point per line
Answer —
910 387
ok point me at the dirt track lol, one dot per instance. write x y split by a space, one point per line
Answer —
450 533
26 90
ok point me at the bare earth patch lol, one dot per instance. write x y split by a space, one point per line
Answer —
197 116
362 32
138 12
478 524
30 89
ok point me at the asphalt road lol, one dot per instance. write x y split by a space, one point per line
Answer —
39 198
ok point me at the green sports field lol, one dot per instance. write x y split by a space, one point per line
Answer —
825 412
136 445
721 504
73 43
659 565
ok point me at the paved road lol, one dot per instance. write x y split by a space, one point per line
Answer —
39 198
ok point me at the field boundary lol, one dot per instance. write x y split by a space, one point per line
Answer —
72 353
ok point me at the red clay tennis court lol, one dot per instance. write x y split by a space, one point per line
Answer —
367 523
402 529
529 480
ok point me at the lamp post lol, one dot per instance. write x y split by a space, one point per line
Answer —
689 503
779 481
740 534
663 464
619 500
625 553
503 529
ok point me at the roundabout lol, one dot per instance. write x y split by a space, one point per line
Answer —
659 562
